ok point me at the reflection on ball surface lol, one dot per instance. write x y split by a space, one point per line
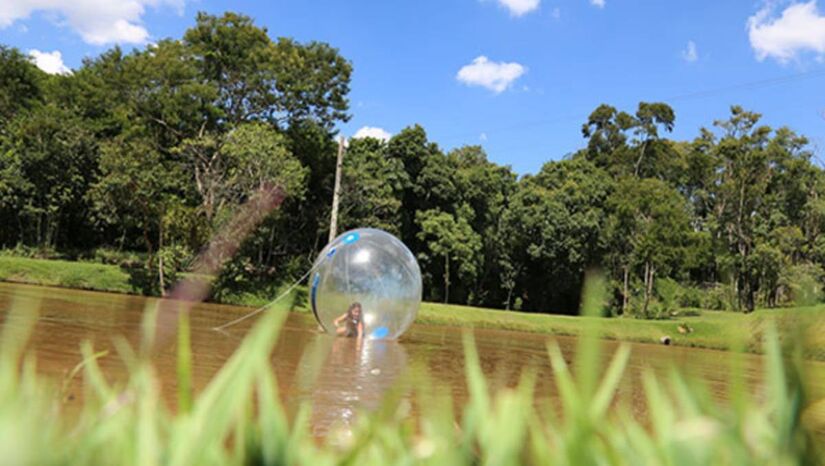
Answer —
374 269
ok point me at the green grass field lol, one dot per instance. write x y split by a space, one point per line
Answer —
66 274
711 329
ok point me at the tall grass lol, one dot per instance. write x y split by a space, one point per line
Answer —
238 418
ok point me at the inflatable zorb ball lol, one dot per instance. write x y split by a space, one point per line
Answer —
373 268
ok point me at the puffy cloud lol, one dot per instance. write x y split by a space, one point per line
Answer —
373 132
519 7
98 22
598 3
799 28
50 62
690 54
496 76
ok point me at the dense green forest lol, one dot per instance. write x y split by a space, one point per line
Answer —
138 157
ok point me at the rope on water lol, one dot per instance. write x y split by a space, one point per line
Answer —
269 304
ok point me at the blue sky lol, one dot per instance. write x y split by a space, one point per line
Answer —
516 76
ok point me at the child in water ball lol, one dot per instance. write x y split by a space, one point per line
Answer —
353 324
373 269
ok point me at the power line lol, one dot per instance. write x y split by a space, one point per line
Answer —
750 85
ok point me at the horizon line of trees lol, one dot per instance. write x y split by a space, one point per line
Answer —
151 151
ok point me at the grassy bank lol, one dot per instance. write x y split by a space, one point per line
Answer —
710 329
66 274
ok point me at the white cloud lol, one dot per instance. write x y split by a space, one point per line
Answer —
98 22
519 7
598 3
373 132
556 13
496 76
800 28
50 62
690 54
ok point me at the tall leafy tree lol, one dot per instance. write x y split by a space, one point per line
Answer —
411 148
372 187
20 84
745 176
47 163
485 188
257 78
449 238
554 227
649 230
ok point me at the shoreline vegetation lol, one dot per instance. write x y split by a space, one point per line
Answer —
689 327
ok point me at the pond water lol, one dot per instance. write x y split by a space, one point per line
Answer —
349 379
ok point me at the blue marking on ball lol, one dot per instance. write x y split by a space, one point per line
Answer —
380 333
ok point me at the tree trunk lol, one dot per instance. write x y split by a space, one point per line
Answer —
271 245
446 279
650 271
161 281
149 249
625 297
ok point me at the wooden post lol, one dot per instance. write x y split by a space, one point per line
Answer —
336 193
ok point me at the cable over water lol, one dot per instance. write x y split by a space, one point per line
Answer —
269 304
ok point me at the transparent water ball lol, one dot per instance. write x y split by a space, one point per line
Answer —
372 268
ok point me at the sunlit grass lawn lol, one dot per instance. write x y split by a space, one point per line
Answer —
67 274
710 329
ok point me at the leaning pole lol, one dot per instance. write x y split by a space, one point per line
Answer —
336 192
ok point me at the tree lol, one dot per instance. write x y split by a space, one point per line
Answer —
47 162
452 239
605 130
136 189
411 148
259 157
486 188
372 187
649 229
647 154
553 229
744 178
229 168
648 145
256 78
20 84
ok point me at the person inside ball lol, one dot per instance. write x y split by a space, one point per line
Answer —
351 324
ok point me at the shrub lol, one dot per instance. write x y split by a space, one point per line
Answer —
719 297
800 285
124 259
32 252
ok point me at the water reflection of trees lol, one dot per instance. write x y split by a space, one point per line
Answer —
340 377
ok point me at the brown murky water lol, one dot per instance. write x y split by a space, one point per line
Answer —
349 379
